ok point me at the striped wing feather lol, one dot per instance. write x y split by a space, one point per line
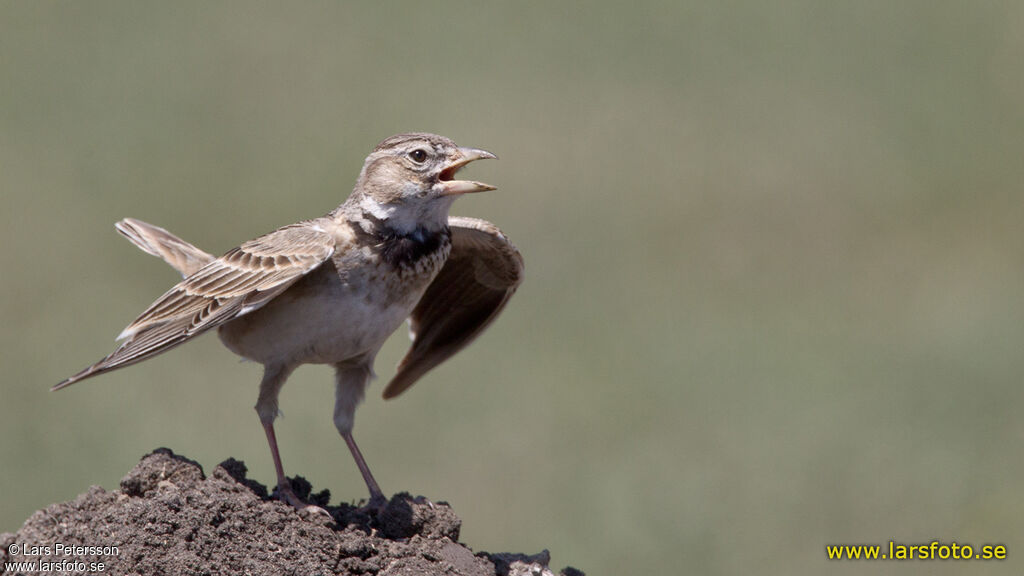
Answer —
243 280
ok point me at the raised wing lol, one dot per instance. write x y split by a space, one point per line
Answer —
237 283
182 256
481 274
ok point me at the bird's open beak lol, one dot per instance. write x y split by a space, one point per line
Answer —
462 157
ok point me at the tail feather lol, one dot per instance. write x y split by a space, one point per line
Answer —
182 256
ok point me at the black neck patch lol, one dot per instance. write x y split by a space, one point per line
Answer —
402 249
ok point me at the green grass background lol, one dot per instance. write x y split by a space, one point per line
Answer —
775 263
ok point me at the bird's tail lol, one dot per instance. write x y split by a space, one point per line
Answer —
182 256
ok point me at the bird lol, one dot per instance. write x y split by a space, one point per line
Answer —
332 289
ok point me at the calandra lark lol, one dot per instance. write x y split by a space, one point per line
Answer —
332 289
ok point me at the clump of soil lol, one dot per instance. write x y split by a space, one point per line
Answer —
169 518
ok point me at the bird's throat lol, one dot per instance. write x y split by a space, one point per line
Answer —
401 248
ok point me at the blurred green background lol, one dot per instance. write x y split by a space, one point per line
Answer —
775 263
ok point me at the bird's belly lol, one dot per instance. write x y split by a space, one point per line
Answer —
323 319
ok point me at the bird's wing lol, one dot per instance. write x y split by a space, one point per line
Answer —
481 274
182 256
237 283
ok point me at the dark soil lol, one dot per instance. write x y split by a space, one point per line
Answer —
169 518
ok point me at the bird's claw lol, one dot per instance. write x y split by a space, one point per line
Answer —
312 510
305 509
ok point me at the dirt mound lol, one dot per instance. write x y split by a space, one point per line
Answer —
169 518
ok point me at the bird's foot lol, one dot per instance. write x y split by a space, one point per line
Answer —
285 494
424 500
376 505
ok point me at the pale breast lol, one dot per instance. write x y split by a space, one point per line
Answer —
346 308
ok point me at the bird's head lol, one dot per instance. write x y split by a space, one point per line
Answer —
408 181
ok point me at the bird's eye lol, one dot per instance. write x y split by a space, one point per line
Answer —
418 156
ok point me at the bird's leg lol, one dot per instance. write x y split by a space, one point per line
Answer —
350 384
273 379
284 488
377 498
